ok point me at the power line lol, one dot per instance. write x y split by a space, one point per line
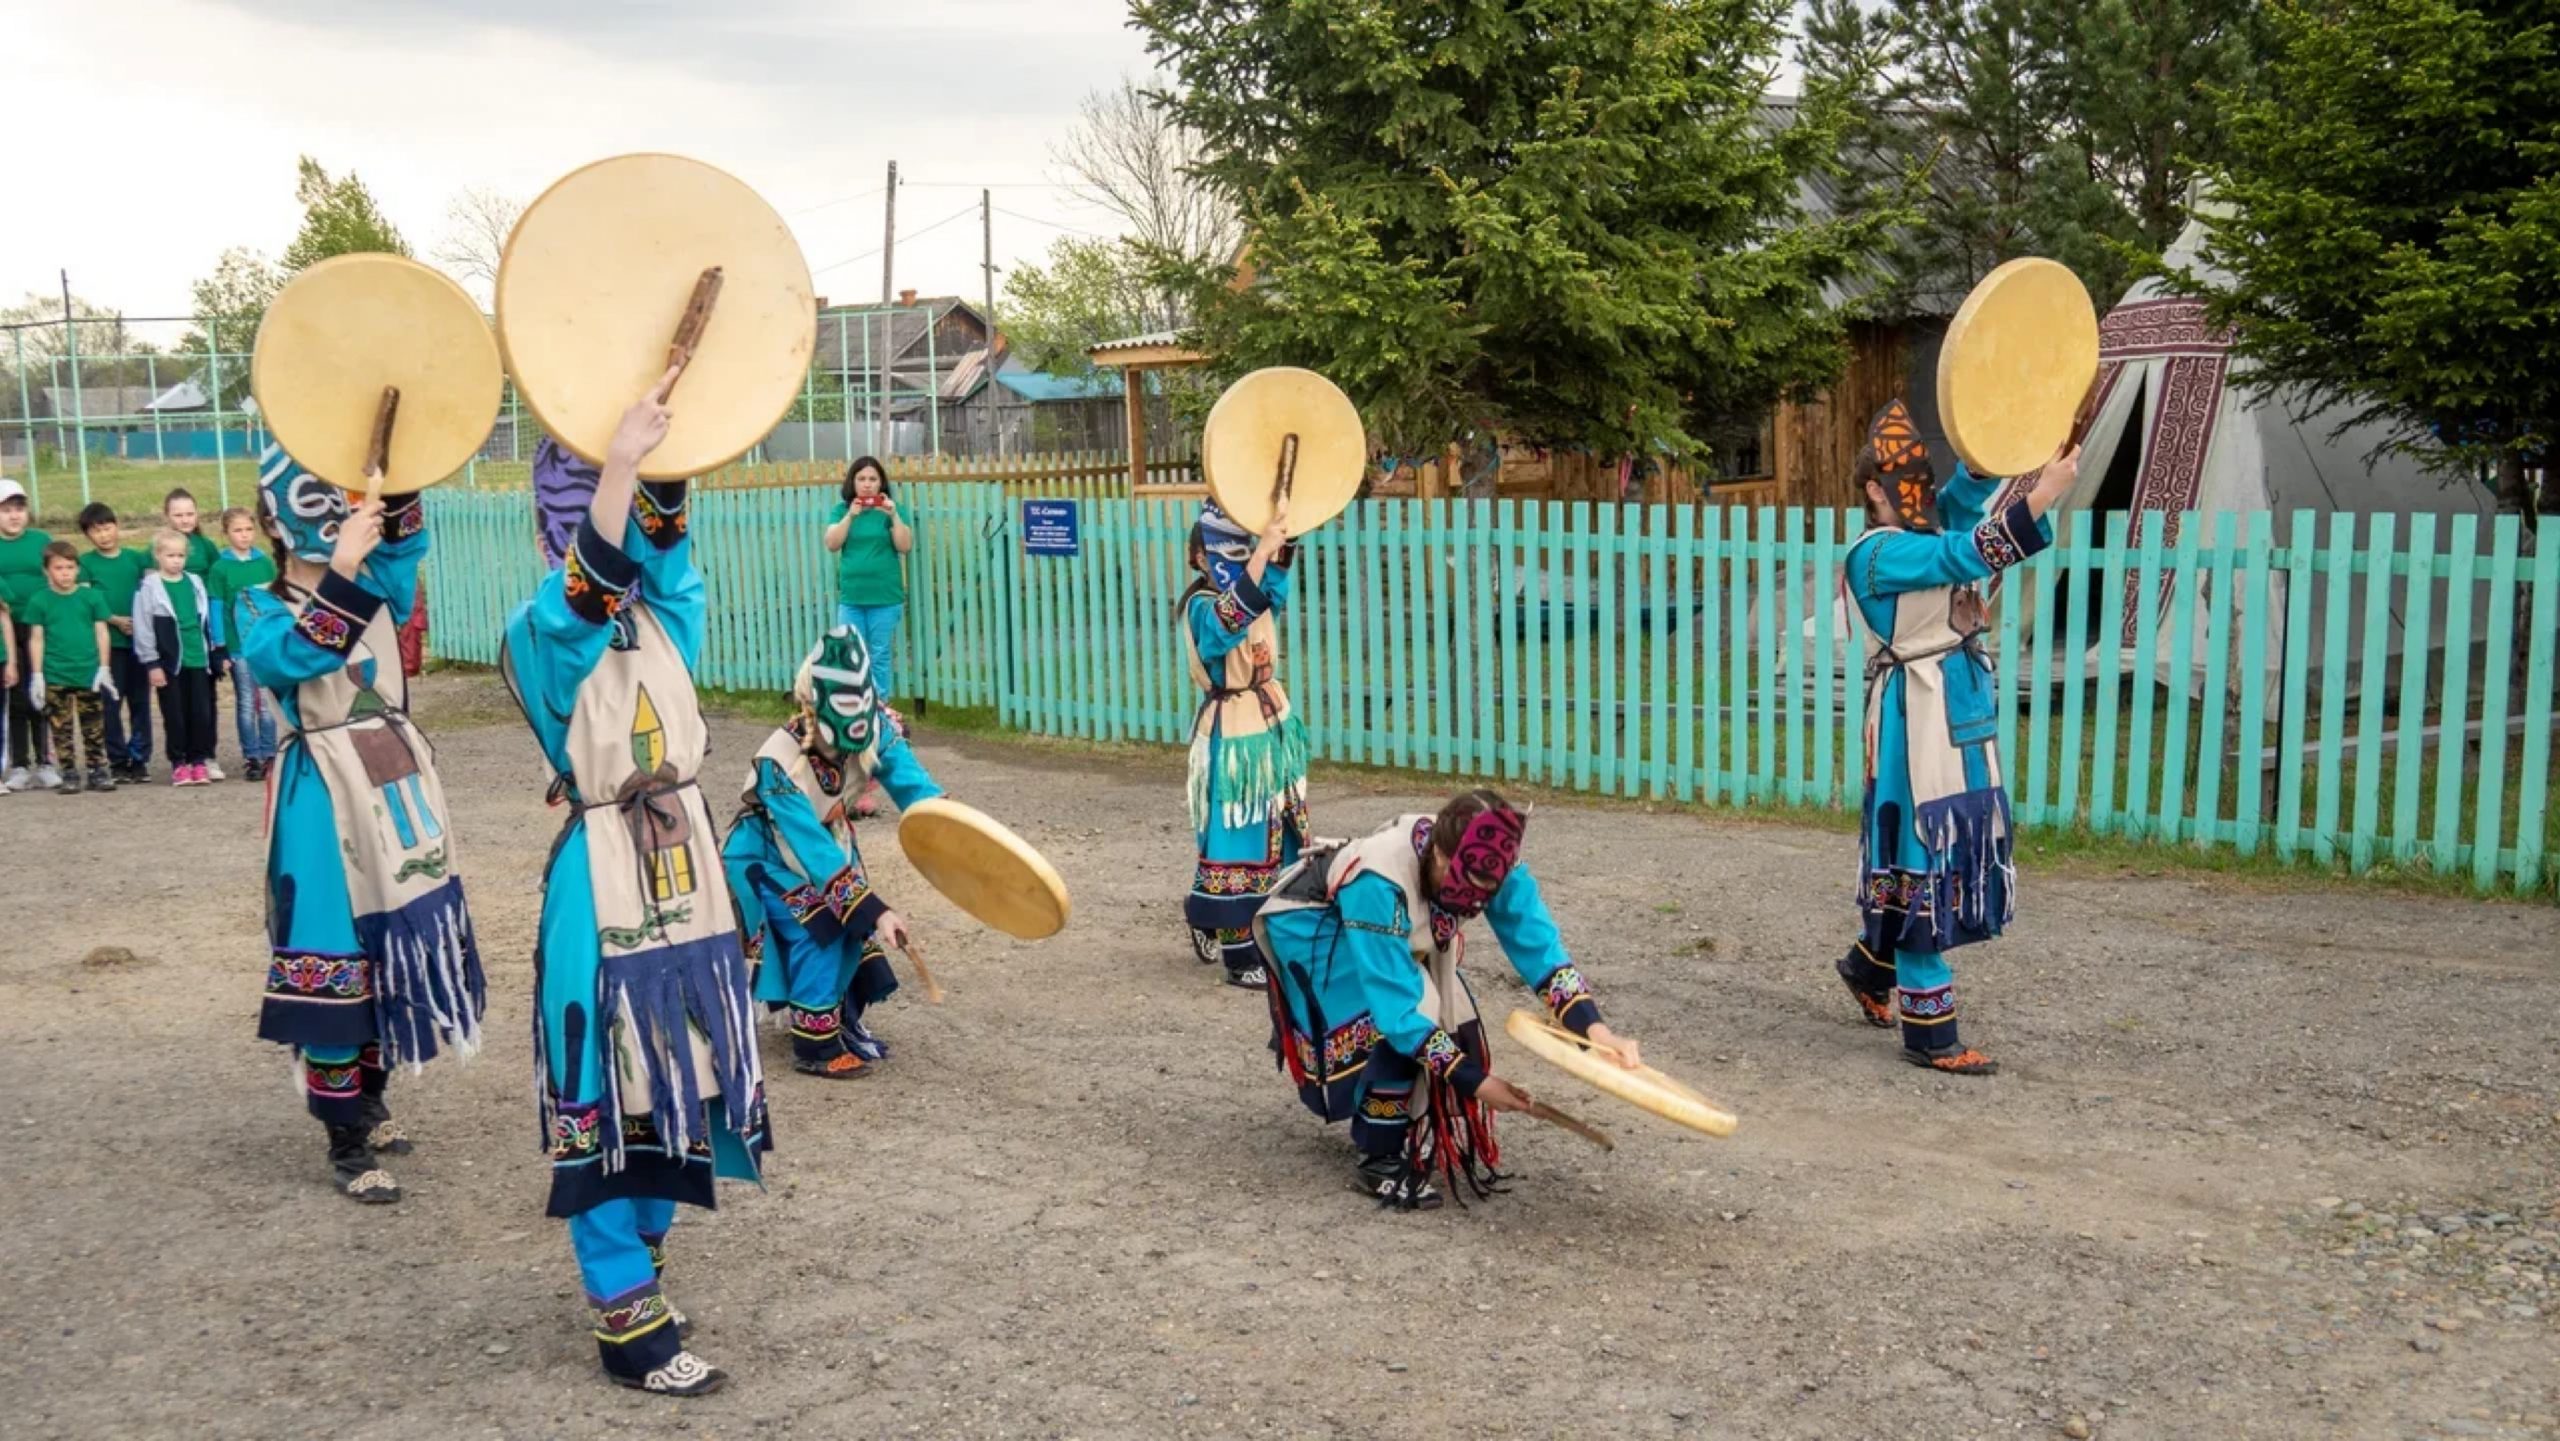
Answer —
1052 224
963 211
845 200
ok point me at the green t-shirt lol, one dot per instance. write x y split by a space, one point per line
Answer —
22 567
200 552
70 633
182 608
867 571
232 577
116 576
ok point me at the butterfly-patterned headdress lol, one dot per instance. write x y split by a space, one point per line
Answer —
1898 460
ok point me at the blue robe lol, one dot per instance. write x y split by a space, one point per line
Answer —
805 902
1936 869
1248 760
601 601
344 978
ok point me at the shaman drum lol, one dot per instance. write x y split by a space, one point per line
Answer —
981 866
1643 1087
1283 427
620 258
353 327
2017 362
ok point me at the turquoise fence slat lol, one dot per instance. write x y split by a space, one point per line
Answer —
2357 692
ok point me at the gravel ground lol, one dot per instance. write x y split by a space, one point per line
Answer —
2263 1163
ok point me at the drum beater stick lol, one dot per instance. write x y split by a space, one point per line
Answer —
377 456
697 318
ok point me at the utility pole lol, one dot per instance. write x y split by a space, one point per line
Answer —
79 407
889 238
987 265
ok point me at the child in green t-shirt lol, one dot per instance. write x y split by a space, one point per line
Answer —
241 568
21 576
115 569
171 640
69 642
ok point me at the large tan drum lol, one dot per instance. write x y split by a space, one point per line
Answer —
1280 418
595 283
981 866
348 328
2019 358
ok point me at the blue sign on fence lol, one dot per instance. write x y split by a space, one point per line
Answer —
1048 527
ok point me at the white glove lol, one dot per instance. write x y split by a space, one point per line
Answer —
104 684
35 692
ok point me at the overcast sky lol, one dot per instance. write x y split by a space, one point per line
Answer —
152 134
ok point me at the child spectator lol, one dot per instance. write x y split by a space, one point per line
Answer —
178 508
68 628
8 674
21 578
115 569
239 569
169 639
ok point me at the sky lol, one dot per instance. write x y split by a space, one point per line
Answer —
157 133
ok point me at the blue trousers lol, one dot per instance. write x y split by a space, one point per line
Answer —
621 1250
129 714
879 627
1921 982
252 714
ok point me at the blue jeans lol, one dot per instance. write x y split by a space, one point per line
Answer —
879 627
129 714
251 714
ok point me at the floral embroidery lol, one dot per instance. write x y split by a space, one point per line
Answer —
628 1320
1348 1048
1563 989
1231 611
576 1133
663 521
1896 890
1929 1007
1442 1054
408 520
324 1079
1999 551
1234 878
315 977
326 628
816 1025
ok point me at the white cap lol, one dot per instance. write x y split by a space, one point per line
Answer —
10 490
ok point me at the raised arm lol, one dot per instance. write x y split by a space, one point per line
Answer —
900 772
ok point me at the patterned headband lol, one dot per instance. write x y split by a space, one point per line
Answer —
1903 466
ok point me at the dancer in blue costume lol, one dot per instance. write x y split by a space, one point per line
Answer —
371 960
1936 868
1370 1016
643 1043
810 915
1248 748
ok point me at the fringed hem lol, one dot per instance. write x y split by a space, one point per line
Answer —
662 997
428 988
1253 773
1454 1137
1970 847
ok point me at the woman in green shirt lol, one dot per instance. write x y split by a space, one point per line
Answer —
871 540
21 577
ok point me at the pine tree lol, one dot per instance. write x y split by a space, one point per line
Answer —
2393 235
1569 220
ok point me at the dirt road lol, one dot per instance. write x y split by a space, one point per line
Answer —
2249 1145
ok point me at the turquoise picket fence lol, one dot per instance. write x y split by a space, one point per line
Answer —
2341 690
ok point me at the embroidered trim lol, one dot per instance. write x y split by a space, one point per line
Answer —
322 625
661 519
403 521
309 977
844 891
823 1025
1231 611
1442 1054
1234 878
588 580
626 1322
1563 989
1992 538
1934 1006
1896 890
337 1082
577 1133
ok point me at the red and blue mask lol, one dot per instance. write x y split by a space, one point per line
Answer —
1475 865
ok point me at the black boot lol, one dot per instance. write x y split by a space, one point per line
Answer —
360 1175
1391 1183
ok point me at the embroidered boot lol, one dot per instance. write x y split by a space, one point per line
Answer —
1387 1180
1869 983
684 1375
360 1175
381 1132
1953 1061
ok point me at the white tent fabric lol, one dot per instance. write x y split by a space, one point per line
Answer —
2176 433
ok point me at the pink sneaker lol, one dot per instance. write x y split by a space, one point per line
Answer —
178 775
195 777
